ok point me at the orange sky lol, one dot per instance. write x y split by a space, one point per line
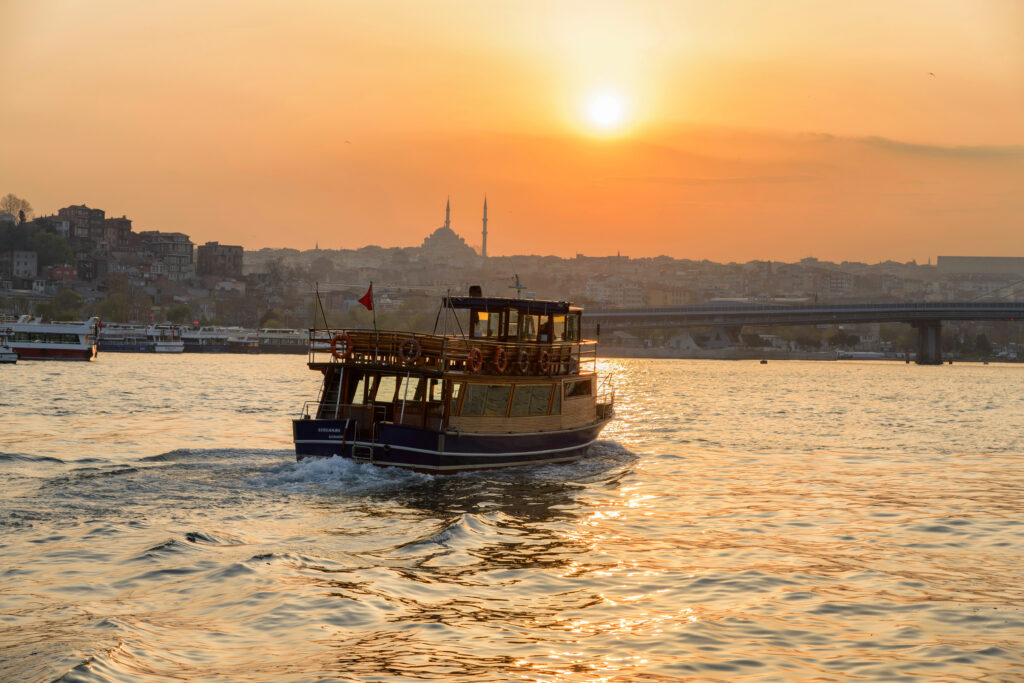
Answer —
773 130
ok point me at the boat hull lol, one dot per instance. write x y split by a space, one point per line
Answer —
125 347
428 450
49 352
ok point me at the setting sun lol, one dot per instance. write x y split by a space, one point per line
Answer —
606 111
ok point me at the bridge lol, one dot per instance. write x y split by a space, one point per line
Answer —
927 318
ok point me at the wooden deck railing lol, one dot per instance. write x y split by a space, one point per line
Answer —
431 353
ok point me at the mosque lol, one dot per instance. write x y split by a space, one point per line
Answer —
445 245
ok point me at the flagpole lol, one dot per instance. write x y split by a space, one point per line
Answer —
376 335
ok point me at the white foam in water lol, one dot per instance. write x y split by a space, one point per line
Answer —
338 474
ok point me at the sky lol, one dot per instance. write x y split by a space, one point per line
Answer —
728 130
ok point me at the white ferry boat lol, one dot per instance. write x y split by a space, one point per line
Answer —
119 337
7 355
283 341
165 339
33 339
205 339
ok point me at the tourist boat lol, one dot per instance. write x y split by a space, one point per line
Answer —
242 341
165 339
124 338
515 385
205 339
33 339
282 341
7 355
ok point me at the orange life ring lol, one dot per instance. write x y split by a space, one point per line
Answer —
500 359
544 362
410 350
476 359
523 361
347 340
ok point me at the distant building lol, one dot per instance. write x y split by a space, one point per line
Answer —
171 252
19 264
117 233
8 219
832 282
444 245
616 292
218 259
659 295
64 272
84 224
981 265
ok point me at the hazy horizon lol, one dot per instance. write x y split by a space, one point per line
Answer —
724 131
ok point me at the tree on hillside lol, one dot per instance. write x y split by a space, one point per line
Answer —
14 205
52 249
115 308
179 313
66 304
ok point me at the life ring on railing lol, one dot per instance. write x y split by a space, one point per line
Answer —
500 359
347 340
410 350
523 361
544 362
476 360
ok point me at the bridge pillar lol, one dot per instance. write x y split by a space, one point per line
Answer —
929 342
724 336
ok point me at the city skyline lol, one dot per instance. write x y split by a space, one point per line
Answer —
862 134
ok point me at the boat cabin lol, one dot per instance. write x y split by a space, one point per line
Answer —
520 366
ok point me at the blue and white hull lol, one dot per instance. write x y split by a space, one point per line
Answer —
430 450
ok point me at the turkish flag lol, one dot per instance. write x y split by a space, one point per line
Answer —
367 299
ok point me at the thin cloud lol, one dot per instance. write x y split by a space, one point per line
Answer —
750 180
958 152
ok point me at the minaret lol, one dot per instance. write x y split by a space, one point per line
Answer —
448 214
483 249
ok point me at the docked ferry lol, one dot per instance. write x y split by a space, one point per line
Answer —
7 354
514 385
118 337
282 341
33 339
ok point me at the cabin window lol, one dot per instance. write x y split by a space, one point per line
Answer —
554 330
473 404
497 400
528 326
572 328
385 388
410 388
486 324
358 389
580 388
486 400
456 392
531 399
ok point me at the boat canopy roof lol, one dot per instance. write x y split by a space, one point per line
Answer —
494 303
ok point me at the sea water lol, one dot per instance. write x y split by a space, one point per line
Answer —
781 522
